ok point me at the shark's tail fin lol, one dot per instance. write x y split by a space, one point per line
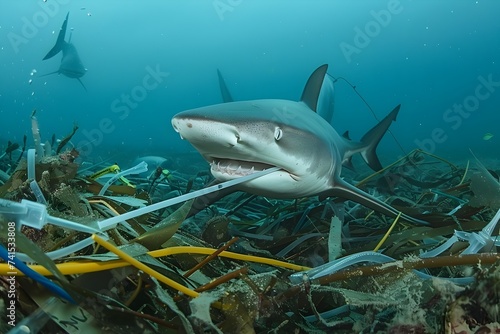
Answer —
371 139
60 40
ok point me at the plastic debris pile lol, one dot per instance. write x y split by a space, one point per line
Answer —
106 250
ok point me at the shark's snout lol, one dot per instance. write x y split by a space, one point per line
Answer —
186 129
203 132
176 124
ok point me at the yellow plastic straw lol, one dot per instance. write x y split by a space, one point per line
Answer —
387 233
465 174
143 267
81 267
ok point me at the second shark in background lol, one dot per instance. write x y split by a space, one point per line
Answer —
71 64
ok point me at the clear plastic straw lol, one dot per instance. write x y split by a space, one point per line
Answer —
111 222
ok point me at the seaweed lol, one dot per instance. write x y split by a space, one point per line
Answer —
242 264
66 139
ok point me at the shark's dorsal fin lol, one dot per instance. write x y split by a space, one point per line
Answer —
60 40
226 95
313 87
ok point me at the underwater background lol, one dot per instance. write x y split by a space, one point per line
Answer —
430 56
278 266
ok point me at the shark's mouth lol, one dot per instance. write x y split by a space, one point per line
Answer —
236 168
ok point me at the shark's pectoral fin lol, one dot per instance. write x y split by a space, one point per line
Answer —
347 191
60 40
312 89
80 81
44 75
226 95
372 138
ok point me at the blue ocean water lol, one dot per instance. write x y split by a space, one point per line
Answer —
146 61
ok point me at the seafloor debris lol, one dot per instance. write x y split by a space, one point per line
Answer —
240 266
477 309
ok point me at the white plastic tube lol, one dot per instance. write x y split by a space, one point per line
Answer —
111 222
35 215
31 164
140 168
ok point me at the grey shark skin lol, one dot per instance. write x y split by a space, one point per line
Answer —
239 137
71 64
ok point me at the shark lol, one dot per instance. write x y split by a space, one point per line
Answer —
71 64
239 138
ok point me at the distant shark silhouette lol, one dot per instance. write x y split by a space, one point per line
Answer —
71 64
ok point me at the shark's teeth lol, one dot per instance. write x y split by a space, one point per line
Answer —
230 169
236 168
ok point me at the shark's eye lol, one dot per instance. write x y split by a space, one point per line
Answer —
278 133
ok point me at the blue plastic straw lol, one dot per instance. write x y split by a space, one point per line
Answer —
34 275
